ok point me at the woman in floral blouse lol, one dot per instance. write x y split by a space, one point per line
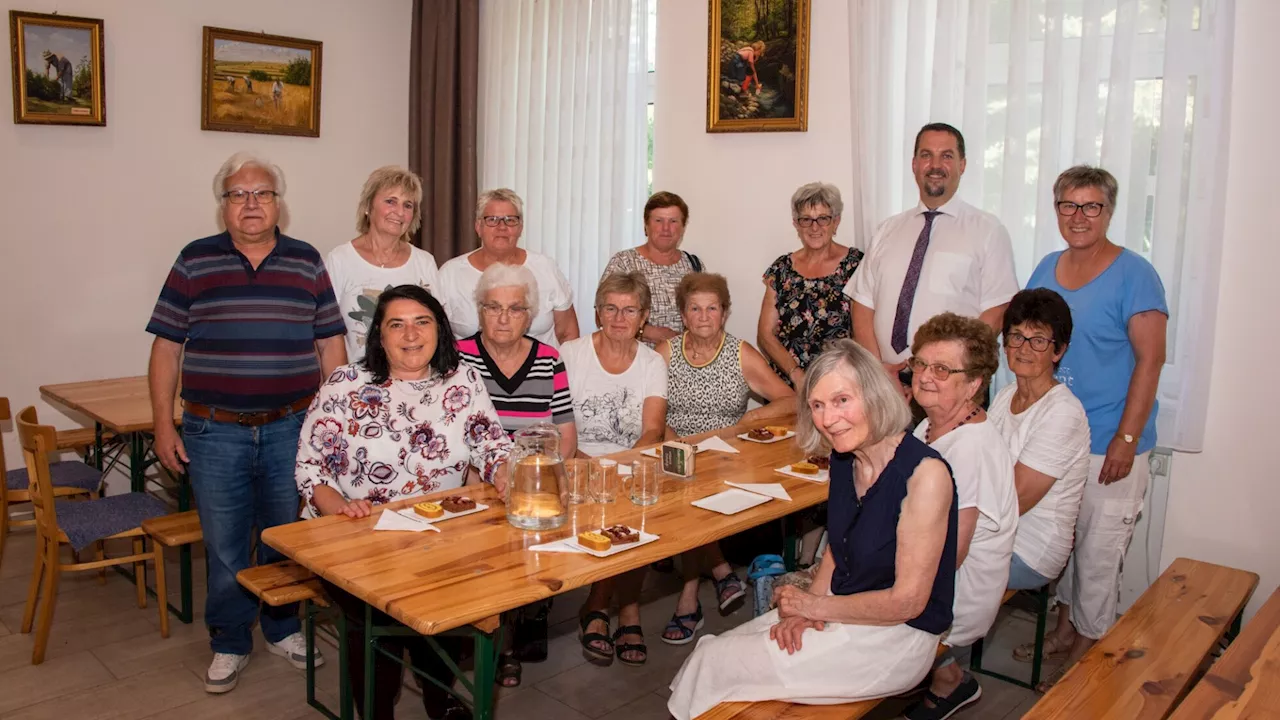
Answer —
405 421
804 304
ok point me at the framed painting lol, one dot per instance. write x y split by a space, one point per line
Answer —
758 66
58 76
259 83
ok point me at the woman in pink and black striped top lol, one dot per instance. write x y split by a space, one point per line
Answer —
525 378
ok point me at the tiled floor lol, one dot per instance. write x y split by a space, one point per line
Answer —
106 659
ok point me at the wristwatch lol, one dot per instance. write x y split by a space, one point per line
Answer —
1128 439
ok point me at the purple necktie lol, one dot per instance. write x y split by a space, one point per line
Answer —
899 338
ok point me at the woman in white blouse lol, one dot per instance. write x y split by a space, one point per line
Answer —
619 402
387 216
499 224
1048 435
952 360
407 420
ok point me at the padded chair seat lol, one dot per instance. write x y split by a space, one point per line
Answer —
85 521
66 473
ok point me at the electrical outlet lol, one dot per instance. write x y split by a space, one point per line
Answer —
1161 459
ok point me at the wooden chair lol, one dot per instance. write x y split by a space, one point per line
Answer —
71 478
38 441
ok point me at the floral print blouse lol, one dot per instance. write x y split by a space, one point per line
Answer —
811 311
397 439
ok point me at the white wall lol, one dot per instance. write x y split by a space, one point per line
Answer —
93 217
739 186
1224 504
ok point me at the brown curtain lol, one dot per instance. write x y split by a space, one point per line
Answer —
442 121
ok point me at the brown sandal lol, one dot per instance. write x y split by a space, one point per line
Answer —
1052 650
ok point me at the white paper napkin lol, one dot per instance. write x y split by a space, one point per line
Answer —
717 444
773 490
730 502
556 546
399 520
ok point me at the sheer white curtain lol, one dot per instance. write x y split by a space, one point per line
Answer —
562 121
1139 87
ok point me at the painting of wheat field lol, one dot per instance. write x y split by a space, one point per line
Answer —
260 83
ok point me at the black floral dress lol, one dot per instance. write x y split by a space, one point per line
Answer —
811 311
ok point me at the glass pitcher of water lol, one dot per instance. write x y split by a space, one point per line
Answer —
537 499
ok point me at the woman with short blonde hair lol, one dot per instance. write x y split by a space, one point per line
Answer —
499 224
382 256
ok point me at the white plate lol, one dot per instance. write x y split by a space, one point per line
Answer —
748 438
447 515
645 539
821 477
731 501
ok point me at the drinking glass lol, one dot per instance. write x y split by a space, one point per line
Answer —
646 482
578 472
603 483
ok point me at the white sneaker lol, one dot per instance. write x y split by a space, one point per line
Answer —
294 649
224 672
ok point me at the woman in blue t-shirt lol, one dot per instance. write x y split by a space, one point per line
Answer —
1113 367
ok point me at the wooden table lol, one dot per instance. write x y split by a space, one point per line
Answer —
1145 662
479 566
1245 682
123 406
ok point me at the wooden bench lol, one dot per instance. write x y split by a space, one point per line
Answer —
175 530
781 710
281 583
1145 663
1245 682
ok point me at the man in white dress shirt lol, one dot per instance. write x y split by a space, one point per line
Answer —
942 255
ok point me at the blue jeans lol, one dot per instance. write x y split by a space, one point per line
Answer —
1022 577
243 478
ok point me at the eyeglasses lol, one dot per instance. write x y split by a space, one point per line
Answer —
938 370
496 220
1016 340
239 197
630 312
805 221
1066 208
496 310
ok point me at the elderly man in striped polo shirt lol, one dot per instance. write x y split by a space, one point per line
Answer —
251 316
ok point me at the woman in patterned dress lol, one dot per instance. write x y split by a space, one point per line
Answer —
804 303
710 376
662 263
405 421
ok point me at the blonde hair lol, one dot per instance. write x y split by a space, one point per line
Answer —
632 283
384 178
886 411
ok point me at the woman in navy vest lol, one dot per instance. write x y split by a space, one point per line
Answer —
868 626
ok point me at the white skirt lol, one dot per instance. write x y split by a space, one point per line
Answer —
843 663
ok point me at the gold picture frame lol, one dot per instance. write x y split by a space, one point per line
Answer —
260 83
69 48
758 66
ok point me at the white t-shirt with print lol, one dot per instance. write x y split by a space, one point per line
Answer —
358 285
608 408
1050 437
983 471
460 279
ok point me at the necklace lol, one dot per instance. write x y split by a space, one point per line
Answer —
929 436
382 262
696 357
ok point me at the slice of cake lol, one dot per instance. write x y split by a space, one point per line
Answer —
428 509
457 503
804 468
594 541
777 430
621 534
760 434
822 461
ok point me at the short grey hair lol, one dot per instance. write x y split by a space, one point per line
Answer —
1087 176
632 283
498 195
390 177
240 161
882 404
816 193
501 275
